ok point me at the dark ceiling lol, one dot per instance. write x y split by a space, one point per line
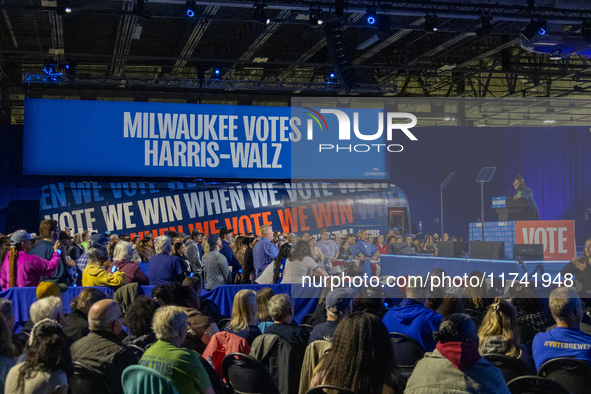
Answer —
170 57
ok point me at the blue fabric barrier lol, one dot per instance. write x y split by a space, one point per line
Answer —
23 297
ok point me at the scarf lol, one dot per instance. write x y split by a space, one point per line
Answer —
462 355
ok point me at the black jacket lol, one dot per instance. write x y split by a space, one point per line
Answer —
104 352
248 266
76 325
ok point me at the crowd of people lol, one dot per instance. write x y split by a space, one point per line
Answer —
93 259
180 334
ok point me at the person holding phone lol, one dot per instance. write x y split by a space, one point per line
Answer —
100 271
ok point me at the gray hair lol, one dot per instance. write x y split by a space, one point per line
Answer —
563 303
97 254
162 245
123 251
6 309
113 236
46 308
168 322
280 306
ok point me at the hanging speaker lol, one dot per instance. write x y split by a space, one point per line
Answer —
337 47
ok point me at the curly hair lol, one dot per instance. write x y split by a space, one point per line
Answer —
139 316
48 350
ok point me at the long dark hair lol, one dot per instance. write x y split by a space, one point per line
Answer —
48 350
284 253
360 339
302 249
6 349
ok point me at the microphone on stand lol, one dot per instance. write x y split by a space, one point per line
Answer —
508 192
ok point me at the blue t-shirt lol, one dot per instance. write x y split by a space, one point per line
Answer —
415 320
561 342
164 269
364 247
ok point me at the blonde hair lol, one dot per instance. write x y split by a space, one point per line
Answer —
263 229
241 310
475 293
12 271
501 320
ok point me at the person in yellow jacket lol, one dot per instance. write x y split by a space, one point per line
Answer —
99 271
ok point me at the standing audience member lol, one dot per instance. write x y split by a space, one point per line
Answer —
239 248
7 352
85 236
412 317
95 239
50 234
20 268
281 310
216 265
274 272
455 365
99 272
264 252
263 317
194 252
47 362
244 312
76 325
101 349
499 334
122 259
352 363
248 266
181 367
76 249
138 320
179 250
566 339
316 252
165 268
226 250
339 304
300 263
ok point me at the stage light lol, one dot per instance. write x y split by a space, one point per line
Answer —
140 10
556 54
191 8
63 8
216 73
431 22
539 26
51 67
371 17
549 121
259 14
315 17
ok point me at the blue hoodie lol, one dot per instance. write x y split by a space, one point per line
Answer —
415 320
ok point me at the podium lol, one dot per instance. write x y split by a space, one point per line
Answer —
508 210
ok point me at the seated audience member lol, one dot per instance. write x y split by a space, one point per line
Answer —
476 297
77 321
48 308
566 339
207 306
300 262
275 271
244 311
95 239
162 295
531 310
216 266
360 340
47 362
164 268
145 249
499 334
450 305
99 272
122 256
20 268
579 268
101 349
329 248
412 317
263 317
352 239
138 320
76 249
180 250
363 245
201 328
370 303
339 303
319 315
7 352
179 366
281 310
316 252
455 365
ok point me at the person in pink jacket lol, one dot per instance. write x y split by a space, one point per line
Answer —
20 269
